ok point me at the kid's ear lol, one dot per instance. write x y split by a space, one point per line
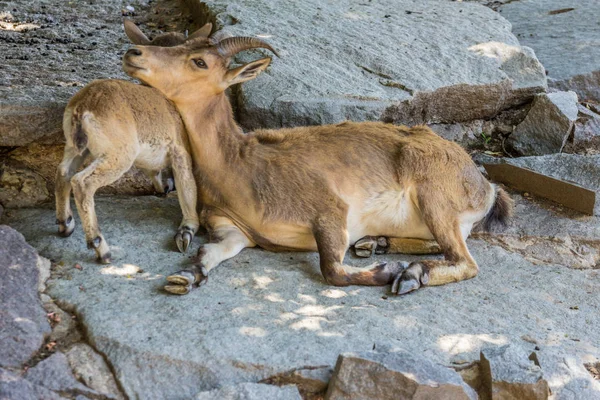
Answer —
135 34
202 32
247 71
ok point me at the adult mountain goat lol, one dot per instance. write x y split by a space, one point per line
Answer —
117 124
317 188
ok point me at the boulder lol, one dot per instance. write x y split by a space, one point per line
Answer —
15 387
262 316
394 375
510 373
21 187
389 60
565 36
547 126
251 391
23 322
55 374
90 368
587 129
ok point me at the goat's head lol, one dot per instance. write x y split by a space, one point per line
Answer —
199 66
168 39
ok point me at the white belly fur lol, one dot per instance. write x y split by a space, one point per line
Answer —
395 213
389 213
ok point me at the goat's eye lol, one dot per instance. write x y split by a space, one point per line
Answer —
200 63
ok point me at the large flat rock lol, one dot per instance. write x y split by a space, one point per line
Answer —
565 35
23 323
264 315
389 60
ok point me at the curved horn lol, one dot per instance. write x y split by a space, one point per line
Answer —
231 46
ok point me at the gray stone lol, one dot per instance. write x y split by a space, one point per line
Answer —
510 373
388 60
21 187
90 368
264 315
251 391
567 43
23 321
43 266
394 375
14 387
55 374
547 126
587 129
571 381
581 170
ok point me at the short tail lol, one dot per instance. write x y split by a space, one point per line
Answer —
80 139
501 212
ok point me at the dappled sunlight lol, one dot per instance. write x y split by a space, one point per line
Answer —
498 50
315 310
334 293
246 309
129 271
253 331
125 270
308 323
305 298
330 334
464 343
275 298
261 282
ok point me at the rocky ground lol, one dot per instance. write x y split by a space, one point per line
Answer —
505 78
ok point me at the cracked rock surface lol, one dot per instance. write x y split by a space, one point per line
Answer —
266 316
404 61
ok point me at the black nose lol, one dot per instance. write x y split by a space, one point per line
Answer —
134 52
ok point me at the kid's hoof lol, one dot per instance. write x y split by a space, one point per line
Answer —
365 247
187 277
411 279
183 238
178 289
170 185
65 229
106 259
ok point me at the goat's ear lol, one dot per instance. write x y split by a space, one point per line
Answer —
202 32
135 34
247 71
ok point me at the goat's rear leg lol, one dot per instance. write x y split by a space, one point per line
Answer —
458 264
369 245
332 241
99 173
230 242
71 162
181 163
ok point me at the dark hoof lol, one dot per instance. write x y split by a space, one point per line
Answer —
106 259
411 279
178 289
365 247
66 228
196 276
170 185
183 238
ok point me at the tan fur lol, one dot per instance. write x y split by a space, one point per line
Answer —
322 187
117 124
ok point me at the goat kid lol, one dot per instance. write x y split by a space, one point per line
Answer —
117 124
318 188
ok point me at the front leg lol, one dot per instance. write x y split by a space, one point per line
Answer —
181 164
369 245
231 240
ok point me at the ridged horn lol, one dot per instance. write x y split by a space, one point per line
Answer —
231 46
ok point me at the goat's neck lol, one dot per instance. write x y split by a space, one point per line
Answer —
215 137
